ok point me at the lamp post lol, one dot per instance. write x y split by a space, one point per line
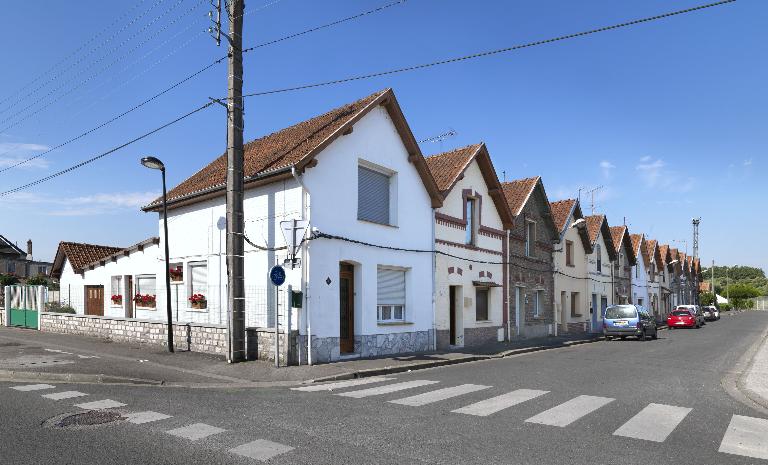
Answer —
155 164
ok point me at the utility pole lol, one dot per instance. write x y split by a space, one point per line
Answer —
235 217
696 222
713 282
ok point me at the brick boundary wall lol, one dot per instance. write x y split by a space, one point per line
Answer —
194 337
577 328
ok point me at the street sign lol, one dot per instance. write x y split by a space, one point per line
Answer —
277 275
293 231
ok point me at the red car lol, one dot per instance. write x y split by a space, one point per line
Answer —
682 319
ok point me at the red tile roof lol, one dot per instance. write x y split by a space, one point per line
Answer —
621 238
517 193
80 255
594 223
446 167
617 234
296 146
665 254
561 211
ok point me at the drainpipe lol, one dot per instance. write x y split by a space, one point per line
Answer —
304 264
434 286
509 290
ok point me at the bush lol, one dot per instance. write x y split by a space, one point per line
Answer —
56 307
725 307
38 280
8 280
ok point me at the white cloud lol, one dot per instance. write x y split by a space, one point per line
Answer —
656 174
607 168
22 147
13 153
748 162
89 205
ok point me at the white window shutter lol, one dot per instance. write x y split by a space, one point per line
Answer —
199 272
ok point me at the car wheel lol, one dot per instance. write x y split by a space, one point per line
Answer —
643 336
655 334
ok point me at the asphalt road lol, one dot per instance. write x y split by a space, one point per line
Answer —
608 390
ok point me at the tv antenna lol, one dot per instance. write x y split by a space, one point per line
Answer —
591 192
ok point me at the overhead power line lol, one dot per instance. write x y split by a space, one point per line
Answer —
85 44
487 53
90 77
191 76
104 154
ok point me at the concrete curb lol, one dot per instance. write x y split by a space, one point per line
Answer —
447 362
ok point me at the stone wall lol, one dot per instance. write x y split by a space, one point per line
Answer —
210 339
577 328
484 335
261 346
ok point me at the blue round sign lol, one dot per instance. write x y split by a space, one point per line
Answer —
277 275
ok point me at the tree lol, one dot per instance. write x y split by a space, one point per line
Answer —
8 280
707 298
744 291
38 280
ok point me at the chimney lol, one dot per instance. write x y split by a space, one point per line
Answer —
29 249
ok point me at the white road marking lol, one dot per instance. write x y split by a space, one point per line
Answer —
261 449
195 431
64 395
340 384
654 423
139 418
58 351
490 406
32 387
100 404
440 394
568 412
379 390
746 436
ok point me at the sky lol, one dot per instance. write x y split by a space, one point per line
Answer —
667 117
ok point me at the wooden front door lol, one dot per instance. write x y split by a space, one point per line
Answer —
94 300
346 308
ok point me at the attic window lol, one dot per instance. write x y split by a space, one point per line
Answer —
376 194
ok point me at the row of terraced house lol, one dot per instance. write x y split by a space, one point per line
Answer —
404 252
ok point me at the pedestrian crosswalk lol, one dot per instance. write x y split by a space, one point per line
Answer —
745 436
261 449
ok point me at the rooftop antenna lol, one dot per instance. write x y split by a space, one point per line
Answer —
504 175
591 193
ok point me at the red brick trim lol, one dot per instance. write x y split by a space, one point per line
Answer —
469 247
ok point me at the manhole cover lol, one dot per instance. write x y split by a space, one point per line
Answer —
89 418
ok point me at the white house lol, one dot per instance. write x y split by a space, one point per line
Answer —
655 274
600 284
357 175
640 294
470 238
572 304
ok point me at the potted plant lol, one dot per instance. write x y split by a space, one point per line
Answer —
198 301
146 300
177 273
117 299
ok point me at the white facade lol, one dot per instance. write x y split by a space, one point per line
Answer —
640 295
470 297
572 303
599 287
327 196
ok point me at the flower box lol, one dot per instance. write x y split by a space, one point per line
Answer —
177 274
201 305
145 301
117 300
198 301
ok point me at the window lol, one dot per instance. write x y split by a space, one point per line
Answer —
146 286
116 287
575 304
481 304
640 302
42 269
391 294
637 271
530 238
199 282
471 213
537 303
599 253
373 196
569 253
11 267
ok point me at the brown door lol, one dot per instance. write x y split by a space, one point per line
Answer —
346 308
94 300
452 294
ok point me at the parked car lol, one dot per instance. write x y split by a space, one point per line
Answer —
682 319
712 311
695 311
629 320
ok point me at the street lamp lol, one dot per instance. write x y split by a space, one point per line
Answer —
155 164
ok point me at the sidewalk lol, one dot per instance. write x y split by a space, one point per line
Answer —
32 355
755 380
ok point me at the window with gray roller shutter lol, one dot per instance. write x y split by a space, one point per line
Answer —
391 287
372 196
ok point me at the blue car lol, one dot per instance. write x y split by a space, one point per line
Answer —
628 320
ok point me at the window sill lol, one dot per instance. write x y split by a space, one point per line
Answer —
197 310
146 308
484 323
377 223
394 323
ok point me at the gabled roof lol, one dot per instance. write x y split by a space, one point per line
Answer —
639 248
654 252
621 238
519 192
79 255
272 157
122 253
448 168
597 226
9 247
666 255
564 213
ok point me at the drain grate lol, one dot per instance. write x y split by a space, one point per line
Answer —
89 418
